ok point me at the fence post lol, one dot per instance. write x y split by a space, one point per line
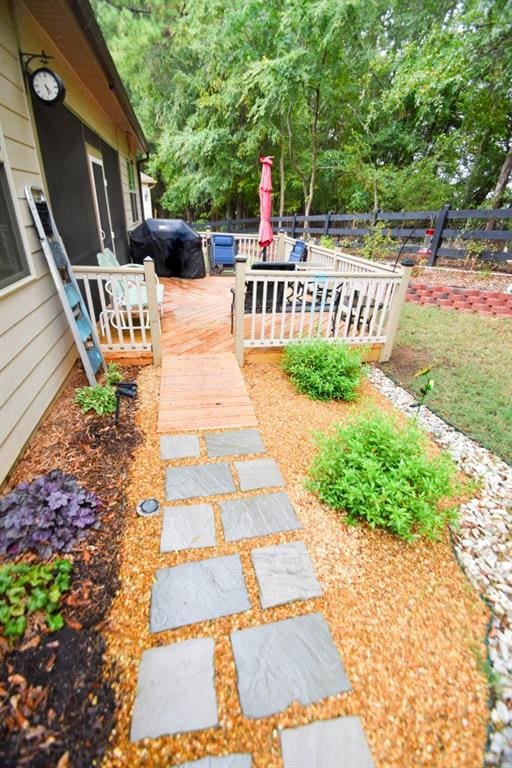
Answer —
207 252
327 224
280 245
438 235
154 316
240 265
294 225
396 309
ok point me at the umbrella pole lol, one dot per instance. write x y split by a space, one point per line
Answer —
264 254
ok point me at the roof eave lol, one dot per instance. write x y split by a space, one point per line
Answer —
87 21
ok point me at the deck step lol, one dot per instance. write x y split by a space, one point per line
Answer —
199 392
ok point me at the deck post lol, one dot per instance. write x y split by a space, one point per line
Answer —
240 266
396 308
280 245
154 317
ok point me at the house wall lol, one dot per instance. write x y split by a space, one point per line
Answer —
80 101
36 347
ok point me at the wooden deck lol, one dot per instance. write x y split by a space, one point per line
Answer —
197 316
202 386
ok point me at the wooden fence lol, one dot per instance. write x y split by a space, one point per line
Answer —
456 234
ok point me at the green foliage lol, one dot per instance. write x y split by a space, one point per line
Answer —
377 244
388 103
25 589
375 470
426 386
323 370
114 374
99 399
327 242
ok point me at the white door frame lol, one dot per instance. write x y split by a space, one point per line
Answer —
94 159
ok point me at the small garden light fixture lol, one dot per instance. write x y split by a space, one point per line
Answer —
148 507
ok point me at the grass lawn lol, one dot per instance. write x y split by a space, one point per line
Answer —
472 364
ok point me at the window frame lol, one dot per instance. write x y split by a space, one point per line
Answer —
7 188
133 191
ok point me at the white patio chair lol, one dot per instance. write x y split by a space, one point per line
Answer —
129 297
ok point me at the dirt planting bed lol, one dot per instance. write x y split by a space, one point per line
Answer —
57 707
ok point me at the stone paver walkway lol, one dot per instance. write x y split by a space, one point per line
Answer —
277 663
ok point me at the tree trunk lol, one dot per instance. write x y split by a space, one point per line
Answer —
282 183
499 190
506 170
314 156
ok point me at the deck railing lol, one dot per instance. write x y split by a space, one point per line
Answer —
122 304
333 296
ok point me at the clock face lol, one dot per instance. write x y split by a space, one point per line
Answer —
47 86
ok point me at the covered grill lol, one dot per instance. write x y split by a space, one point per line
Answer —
172 244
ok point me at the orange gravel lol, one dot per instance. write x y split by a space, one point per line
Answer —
408 625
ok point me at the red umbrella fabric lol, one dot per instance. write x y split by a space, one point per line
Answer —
265 234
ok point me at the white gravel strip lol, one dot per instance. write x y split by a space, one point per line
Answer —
484 548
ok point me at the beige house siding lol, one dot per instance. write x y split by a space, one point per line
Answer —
78 98
36 348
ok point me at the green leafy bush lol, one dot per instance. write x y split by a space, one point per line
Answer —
114 374
324 370
99 399
376 470
28 588
328 242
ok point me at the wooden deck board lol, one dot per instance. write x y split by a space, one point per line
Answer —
197 316
203 391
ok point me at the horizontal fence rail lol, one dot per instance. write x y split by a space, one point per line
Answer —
122 304
453 230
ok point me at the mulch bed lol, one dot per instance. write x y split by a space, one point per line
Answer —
408 625
56 706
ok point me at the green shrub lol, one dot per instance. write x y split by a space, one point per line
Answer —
28 588
99 399
328 242
324 370
114 374
376 470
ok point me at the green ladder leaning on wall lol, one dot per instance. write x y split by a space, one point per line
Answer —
84 333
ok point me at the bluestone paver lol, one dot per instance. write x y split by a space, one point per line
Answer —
188 527
258 473
284 661
179 447
284 573
194 592
338 743
198 480
243 441
226 761
257 516
175 690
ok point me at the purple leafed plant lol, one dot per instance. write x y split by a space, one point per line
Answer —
50 514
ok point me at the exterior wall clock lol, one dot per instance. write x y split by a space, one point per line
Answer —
47 86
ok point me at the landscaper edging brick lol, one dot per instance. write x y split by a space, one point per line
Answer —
489 303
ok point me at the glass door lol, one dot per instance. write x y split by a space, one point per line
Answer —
99 188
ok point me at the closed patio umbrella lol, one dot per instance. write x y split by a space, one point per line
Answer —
265 234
